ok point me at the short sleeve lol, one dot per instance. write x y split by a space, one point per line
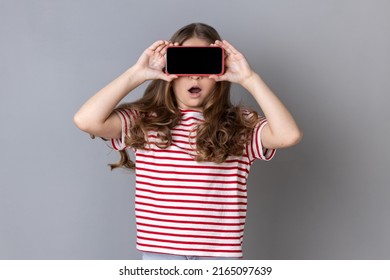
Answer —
128 118
255 148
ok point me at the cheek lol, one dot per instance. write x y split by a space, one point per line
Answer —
211 85
177 85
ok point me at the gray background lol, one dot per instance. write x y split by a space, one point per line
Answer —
329 61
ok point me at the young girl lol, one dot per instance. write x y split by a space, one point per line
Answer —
193 148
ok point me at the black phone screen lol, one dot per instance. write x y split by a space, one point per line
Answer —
194 60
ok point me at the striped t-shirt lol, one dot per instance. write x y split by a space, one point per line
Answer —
184 207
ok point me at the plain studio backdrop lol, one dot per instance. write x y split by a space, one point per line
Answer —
328 60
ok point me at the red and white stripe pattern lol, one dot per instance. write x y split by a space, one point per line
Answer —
184 207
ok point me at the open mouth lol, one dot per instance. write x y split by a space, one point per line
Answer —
194 90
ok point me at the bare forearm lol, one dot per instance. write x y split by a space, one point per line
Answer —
100 106
282 126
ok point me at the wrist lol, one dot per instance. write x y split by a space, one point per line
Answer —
135 75
248 82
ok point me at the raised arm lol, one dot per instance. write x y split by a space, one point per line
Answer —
96 116
281 131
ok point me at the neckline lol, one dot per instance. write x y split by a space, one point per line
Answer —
190 111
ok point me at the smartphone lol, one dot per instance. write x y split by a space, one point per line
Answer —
194 61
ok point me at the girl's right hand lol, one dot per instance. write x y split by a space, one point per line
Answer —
151 63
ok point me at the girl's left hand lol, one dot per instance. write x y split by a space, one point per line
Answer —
237 69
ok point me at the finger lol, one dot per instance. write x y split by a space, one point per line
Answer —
222 45
152 48
163 52
230 47
161 47
172 77
218 43
156 44
218 78
168 78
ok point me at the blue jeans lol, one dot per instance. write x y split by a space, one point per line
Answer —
158 256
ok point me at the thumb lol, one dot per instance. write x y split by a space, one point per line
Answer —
168 78
218 78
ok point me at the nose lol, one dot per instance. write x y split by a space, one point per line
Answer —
195 77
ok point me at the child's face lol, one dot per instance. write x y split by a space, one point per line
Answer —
191 91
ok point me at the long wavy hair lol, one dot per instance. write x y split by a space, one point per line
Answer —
224 132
